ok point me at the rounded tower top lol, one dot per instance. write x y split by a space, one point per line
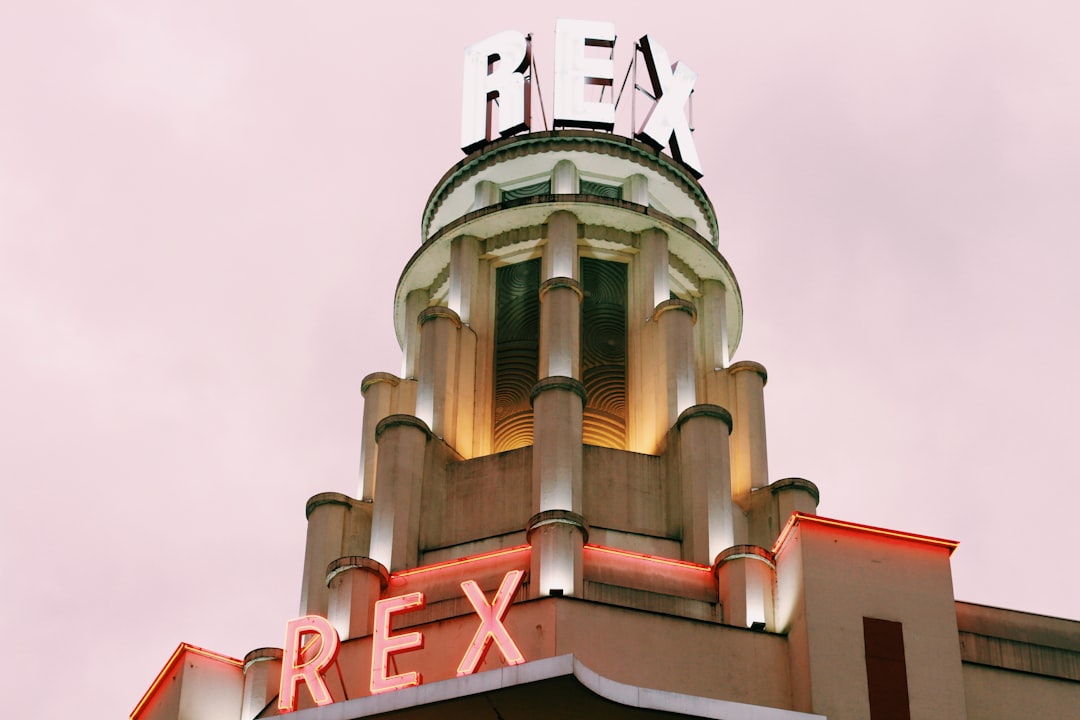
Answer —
616 187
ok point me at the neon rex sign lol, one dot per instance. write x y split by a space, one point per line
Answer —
312 644
495 70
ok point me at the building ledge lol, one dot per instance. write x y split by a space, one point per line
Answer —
554 687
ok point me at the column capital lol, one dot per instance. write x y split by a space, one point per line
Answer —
704 410
557 517
378 377
750 366
744 552
327 498
358 562
561 282
557 382
675 304
393 420
431 313
262 654
794 483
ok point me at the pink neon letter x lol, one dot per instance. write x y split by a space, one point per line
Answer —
491 627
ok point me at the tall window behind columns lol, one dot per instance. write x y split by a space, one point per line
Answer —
517 353
603 352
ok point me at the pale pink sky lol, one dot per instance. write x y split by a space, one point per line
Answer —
204 208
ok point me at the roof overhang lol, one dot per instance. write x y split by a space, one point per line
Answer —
539 690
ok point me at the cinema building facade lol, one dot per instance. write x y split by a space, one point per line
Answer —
566 509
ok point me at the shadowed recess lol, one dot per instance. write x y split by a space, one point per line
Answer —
517 352
603 352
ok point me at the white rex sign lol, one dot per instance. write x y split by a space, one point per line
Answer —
665 127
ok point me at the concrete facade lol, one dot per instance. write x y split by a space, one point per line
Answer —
659 571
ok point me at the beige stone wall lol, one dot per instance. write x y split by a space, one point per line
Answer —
996 694
828 580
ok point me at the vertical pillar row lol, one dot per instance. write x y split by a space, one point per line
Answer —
395 526
704 472
262 680
355 584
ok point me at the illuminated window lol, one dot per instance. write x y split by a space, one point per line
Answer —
603 352
517 352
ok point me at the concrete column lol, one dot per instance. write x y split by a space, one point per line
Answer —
262 680
464 265
560 327
648 425
395 527
704 472
327 517
437 373
355 585
485 195
674 319
750 461
712 325
557 538
745 576
560 255
415 302
557 450
653 259
636 190
378 391
564 179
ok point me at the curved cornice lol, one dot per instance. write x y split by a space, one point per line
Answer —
582 140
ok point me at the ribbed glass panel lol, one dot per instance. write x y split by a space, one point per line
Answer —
517 352
602 189
540 188
603 352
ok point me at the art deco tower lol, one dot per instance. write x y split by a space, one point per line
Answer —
565 508
566 325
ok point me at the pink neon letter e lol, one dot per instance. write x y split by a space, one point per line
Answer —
383 644
307 662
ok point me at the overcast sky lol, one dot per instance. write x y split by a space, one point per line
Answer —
204 208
